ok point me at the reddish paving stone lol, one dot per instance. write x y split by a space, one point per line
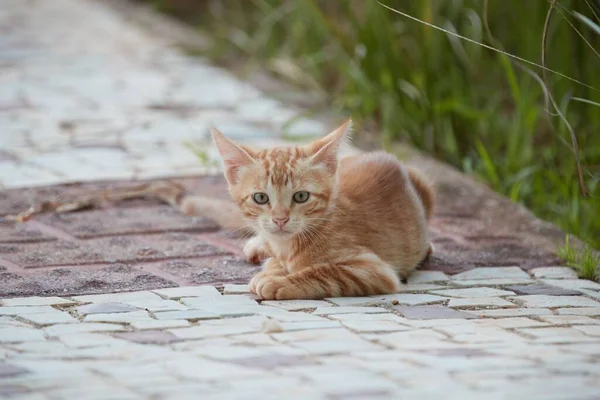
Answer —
126 221
107 250
432 312
228 269
472 227
11 232
540 288
68 281
149 337
104 308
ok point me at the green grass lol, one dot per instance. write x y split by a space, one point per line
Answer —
469 106
585 260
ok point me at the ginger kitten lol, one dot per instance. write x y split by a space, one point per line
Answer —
327 227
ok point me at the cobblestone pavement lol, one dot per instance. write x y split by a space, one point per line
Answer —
85 95
459 337
94 99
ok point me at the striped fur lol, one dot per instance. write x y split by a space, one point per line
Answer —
362 230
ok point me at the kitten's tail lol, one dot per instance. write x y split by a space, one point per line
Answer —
223 212
424 190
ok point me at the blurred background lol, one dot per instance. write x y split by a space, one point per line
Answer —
401 80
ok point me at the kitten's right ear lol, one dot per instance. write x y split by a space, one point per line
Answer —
234 155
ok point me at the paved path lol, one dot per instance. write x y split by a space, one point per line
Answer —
437 339
93 99
86 96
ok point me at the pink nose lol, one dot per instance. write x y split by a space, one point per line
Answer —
280 222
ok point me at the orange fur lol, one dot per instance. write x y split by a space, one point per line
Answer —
363 227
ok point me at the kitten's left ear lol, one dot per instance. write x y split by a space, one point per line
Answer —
235 156
325 150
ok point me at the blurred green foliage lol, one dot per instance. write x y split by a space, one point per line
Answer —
471 107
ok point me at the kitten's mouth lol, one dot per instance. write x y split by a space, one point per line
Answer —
281 233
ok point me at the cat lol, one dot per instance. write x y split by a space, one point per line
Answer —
327 227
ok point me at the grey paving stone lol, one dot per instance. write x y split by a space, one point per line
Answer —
9 370
348 310
104 308
162 324
148 337
16 335
541 288
158 306
294 305
431 312
569 320
473 292
556 335
374 326
544 301
573 284
117 297
554 273
206 292
36 301
484 302
491 273
236 289
192 315
125 317
84 340
50 318
84 327
23 310
269 362
510 312
591 311
419 277
590 330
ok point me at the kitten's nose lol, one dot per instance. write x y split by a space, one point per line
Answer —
280 222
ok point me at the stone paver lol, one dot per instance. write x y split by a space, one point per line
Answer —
473 292
286 340
137 301
554 273
539 301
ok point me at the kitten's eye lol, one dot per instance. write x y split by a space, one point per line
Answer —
260 198
301 196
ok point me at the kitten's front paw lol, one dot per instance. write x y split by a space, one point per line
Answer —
275 288
254 251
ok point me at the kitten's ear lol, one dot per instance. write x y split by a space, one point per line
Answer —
234 155
325 150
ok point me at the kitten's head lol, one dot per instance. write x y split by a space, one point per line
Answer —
283 190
